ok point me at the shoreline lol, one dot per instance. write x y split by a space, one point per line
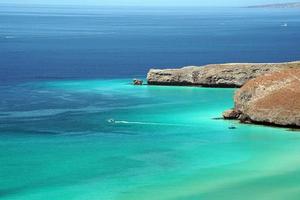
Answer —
263 88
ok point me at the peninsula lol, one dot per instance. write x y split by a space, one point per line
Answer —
215 75
280 5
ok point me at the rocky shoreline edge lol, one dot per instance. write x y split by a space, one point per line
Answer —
269 93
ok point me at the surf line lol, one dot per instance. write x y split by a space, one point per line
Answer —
113 121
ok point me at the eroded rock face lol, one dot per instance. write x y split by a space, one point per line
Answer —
271 99
217 75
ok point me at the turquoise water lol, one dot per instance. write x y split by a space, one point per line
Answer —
109 140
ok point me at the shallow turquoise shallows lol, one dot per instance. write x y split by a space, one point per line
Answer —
109 140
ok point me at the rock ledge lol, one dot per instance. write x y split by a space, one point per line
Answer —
215 75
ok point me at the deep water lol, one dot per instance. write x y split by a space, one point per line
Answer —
92 42
73 127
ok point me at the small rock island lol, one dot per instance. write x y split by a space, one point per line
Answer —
269 93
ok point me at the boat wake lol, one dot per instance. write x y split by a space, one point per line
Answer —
112 121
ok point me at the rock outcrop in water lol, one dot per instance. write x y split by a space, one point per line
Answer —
215 75
270 99
137 82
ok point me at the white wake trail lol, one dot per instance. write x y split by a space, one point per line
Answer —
112 121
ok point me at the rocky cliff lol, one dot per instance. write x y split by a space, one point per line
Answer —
270 99
216 75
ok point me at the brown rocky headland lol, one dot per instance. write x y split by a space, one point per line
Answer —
269 93
272 99
215 75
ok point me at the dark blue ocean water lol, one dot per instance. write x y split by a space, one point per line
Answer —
97 42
